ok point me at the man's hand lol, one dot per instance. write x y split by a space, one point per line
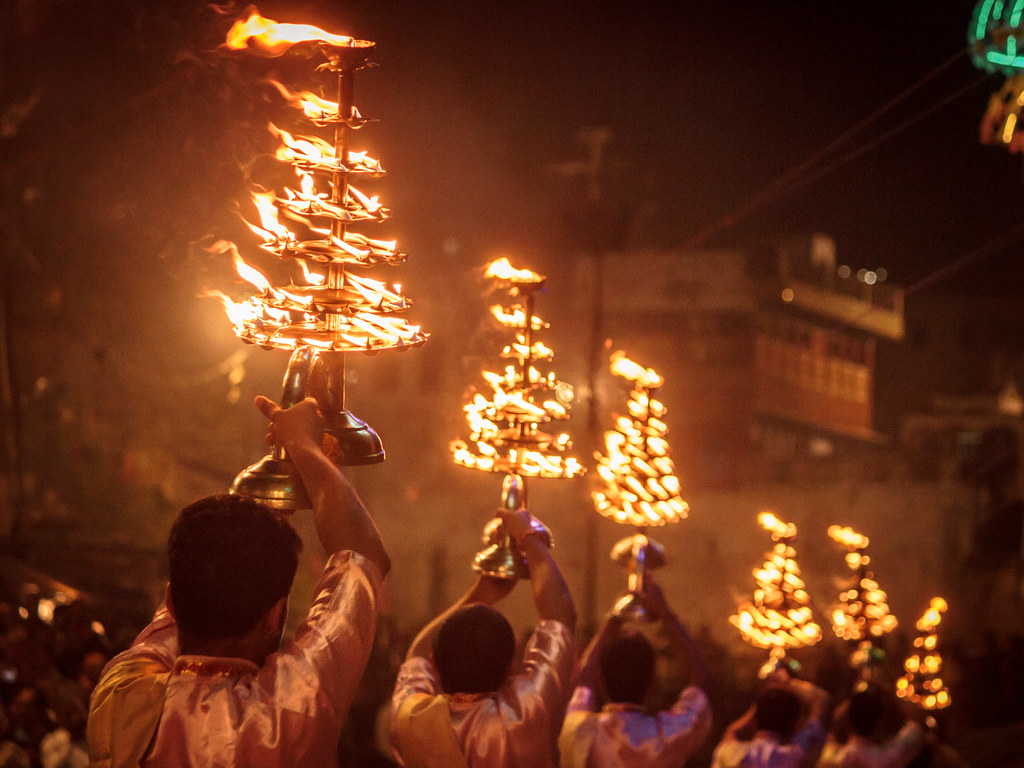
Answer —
654 600
302 423
342 521
518 524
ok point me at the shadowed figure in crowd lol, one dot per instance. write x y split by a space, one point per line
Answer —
622 732
857 738
785 728
209 681
458 701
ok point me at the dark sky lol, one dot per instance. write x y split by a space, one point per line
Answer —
709 105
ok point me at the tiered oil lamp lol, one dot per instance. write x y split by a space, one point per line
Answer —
505 420
862 615
326 310
921 683
639 484
779 615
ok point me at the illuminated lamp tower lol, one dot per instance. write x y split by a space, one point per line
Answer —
639 486
506 417
862 615
921 683
778 617
327 308
995 37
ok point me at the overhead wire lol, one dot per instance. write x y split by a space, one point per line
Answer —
789 179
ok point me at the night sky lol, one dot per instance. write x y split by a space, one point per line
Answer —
137 129
709 105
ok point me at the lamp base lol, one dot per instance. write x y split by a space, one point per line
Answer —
351 441
501 562
274 482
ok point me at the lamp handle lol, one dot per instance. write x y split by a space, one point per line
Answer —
296 383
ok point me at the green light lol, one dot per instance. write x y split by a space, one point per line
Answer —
1018 8
997 11
1004 60
983 9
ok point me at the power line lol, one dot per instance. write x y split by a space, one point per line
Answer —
868 146
780 186
975 255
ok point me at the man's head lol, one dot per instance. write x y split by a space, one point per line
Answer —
777 710
865 710
627 668
473 650
231 560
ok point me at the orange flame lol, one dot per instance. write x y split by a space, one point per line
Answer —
627 369
777 528
501 269
314 107
273 39
848 537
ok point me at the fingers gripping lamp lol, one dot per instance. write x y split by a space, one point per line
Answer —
326 310
505 419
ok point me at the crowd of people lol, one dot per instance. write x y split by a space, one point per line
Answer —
211 681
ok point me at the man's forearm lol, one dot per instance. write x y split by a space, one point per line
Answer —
589 674
342 520
550 592
684 645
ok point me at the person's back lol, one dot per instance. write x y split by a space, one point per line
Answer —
457 702
865 748
771 735
623 732
208 681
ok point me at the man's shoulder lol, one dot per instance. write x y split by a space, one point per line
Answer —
352 562
126 706
552 638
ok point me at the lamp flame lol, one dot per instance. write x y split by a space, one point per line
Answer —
332 309
640 486
645 378
505 423
921 683
502 269
273 39
862 611
779 614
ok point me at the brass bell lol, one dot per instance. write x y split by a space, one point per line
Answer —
638 553
348 441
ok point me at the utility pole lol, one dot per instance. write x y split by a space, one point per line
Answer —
592 169
10 426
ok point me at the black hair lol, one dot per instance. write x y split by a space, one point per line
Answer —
865 710
627 668
473 650
777 710
231 558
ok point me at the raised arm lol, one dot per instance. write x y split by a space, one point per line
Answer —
550 592
342 521
682 642
590 663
